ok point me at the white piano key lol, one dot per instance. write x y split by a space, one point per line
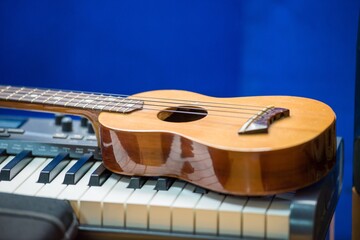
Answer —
137 206
31 186
6 161
91 202
230 215
160 207
183 213
73 193
206 213
114 204
22 176
254 214
56 186
278 219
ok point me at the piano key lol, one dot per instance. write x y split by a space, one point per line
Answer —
11 169
206 213
183 217
11 186
278 219
77 171
6 161
54 168
56 186
137 182
164 183
99 176
31 186
114 204
230 215
200 190
160 207
254 216
73 193
91 201
137 206
3 155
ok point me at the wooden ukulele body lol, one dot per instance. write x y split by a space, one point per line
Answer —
208 151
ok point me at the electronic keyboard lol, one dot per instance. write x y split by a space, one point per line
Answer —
40 157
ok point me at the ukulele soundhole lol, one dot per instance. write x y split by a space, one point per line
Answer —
182 114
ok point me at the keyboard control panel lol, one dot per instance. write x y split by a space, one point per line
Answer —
48 137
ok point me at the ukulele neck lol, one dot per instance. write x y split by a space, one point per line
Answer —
65 101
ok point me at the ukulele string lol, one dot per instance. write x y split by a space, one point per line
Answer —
108 100
50 92
104 100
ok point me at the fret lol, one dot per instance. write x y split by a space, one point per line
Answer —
27 94
118 102
89 101
97 97
13 93
71 98
50 94
3 88
103 103
82 100
130 104
60 99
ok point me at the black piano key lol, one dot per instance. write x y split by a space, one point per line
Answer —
200 190
76 172
136 182
17 164
54 168
3 155
99 176
163 184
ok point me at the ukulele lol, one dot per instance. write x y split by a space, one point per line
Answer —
240 146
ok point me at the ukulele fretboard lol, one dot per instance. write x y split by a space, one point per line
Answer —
71 99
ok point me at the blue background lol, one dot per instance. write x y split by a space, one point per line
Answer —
218 48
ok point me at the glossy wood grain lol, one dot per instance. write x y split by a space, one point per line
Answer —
208 151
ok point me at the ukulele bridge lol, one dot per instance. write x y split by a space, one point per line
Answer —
260 122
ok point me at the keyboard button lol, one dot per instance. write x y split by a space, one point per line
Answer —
54 168
16 130
4 135
76 137
160 207
183 217
79 169
114 204
99 176
254 216
230 217
91 202
91 138
11 169
206 213
137 206
60 135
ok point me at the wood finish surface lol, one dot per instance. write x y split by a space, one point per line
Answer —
297 151
206 148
